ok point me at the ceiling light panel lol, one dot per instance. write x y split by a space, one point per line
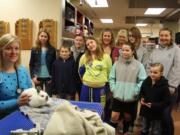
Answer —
154 11
106 20
97 3
141 24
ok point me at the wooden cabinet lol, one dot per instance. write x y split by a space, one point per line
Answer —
75 22
69 18
4 28
91 28
23 29
51 26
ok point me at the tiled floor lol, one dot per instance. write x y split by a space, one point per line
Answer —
176 116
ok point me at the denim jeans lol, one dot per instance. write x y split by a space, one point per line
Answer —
154 125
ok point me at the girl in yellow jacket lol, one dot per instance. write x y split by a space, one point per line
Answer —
94 68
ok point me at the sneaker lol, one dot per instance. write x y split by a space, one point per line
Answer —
119 131
130 131
120 128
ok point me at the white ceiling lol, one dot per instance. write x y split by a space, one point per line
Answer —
125 13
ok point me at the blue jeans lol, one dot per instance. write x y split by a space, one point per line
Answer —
155 126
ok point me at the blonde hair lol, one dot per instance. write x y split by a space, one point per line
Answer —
99 51
122 32
6 40
161 67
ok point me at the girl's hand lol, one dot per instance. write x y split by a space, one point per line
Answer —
36 82
23 99
142 101
148 105
49 82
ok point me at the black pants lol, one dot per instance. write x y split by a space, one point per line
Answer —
108 110
108 105
167 121
43 81
178 99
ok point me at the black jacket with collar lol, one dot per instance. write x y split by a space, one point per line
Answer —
157 94
63 76
35 60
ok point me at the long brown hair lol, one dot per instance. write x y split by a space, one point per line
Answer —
170 31
112 37
38 43
132 48
99 51
136 34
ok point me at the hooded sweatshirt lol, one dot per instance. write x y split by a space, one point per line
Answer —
157 94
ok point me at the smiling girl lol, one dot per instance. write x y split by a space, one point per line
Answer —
168 54
154 97
94 68
42 57
126 77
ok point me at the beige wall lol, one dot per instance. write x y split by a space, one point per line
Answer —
175 27
151 30
36 10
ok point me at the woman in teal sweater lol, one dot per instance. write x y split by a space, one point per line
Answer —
14 77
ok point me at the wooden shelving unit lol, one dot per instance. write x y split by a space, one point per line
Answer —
91 28
73 20
80 18
69 18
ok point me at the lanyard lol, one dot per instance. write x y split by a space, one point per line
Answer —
18 90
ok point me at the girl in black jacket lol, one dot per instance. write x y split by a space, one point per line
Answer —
42 57
154 97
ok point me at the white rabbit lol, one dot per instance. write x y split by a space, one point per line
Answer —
38 97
